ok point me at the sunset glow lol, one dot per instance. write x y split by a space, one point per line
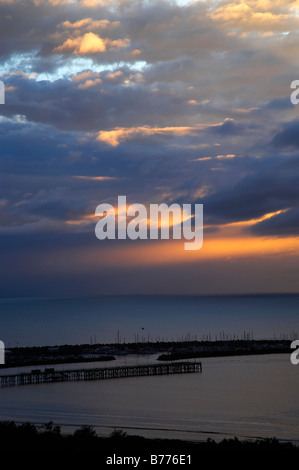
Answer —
164 103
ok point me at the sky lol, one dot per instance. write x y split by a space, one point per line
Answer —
162 101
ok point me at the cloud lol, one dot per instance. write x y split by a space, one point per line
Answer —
284 224
88 23
54 2
90 83
257 15
288 136
124 97
90 43
88 78
217 157
116 136
228 127
97 178
270 188
198 94
113 75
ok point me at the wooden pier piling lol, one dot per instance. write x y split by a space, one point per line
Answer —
52 375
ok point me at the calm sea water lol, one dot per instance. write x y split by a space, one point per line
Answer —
253 396
27 322
248 397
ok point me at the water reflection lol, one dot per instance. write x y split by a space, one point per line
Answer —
252 396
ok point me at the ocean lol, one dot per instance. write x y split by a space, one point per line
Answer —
51 321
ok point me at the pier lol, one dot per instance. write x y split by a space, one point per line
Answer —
50 375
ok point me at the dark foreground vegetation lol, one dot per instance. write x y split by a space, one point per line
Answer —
48 437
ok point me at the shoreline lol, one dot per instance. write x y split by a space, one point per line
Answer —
167 351
175 357
56 362
48 436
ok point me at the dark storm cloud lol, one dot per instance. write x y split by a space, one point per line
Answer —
39 207
280 104
283 224
56 204
32 148
272 187
269 184
228 127
67 106
289 135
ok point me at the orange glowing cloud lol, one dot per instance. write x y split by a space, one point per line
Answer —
217 157
78 77
89 83
257 15
89 79
117 135
94 3
88 23
113 75
90 43
97 178
245 110
230 242
120 134
174 218
54 2
172 253
247 223
135 52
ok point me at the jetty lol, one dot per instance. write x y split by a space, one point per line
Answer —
51 375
